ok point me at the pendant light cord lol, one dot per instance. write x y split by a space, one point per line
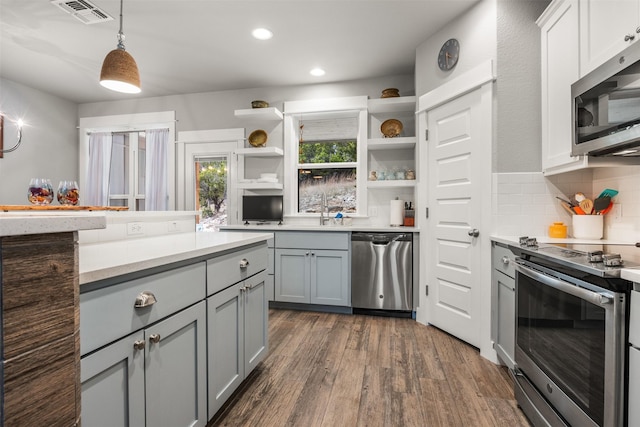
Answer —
120 33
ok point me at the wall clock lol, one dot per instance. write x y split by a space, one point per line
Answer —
449 54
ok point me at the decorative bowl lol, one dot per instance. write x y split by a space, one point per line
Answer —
258 138
391 92
391 128
68 193
40 191
259 104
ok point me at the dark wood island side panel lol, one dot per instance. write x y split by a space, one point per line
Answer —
40 328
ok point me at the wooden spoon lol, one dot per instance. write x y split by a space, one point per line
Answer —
587 206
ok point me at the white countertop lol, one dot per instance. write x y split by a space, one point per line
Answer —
632 274
18 223
328 228
109 259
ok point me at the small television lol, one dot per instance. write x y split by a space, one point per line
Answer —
262 209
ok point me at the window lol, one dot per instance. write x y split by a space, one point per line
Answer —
127 171
327 165
324 156
128 160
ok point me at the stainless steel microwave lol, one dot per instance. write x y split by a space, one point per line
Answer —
606 108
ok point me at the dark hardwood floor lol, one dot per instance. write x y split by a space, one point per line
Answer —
352 370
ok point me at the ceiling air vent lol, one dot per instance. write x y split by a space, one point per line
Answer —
83 10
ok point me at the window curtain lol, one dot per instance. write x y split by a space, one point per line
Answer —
97 191
156 185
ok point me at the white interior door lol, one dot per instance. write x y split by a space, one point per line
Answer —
459 161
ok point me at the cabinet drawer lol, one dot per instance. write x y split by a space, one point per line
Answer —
499 255
634 320
108 314
312 240
225 270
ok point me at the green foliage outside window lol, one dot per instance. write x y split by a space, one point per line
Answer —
213 186
328 151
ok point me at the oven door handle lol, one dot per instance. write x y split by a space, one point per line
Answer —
584 294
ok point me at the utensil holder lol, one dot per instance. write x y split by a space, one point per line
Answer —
587 226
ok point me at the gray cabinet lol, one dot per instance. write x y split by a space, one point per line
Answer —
139 361
152 377
312 268
312 276
237 326
503 310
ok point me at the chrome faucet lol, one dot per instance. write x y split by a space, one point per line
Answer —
324 206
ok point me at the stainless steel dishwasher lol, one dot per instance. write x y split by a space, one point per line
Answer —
382 272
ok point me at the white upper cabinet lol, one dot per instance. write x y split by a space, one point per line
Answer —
559 47
577 36
606 28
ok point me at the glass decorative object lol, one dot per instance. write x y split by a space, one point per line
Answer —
68 193
40 191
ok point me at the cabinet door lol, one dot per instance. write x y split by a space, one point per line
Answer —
175 370
292 275
560 62
603 27
505 317
113 385
330 277
225 337
634 386
255 311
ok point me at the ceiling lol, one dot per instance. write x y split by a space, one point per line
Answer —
191 46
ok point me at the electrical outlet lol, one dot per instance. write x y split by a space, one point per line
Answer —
135 228
172 227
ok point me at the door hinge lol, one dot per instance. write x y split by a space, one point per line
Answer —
426 134
426 290
426 212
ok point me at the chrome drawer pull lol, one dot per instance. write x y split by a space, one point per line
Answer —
244 263
145 299
138 345
154 338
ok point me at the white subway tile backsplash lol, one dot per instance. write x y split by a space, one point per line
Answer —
526 204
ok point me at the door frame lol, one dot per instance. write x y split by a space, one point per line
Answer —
205 143
480 78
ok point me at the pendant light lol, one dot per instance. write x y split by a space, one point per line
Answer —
119 69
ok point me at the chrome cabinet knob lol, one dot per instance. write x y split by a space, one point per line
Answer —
474 233
154 338
505 260
138 345
244 263
629 37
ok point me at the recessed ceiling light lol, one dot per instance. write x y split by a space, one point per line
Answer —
317 72
262 34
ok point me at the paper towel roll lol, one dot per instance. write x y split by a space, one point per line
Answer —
396 212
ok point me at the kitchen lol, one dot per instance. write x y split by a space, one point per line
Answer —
490 30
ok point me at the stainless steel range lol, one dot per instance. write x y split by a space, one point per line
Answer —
572 332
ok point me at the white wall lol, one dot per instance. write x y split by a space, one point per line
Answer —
476 32
518 133
215 110
49 146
